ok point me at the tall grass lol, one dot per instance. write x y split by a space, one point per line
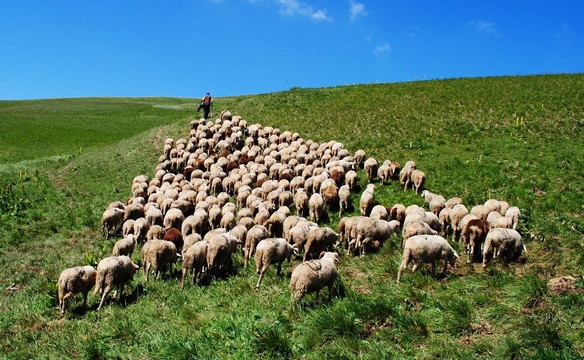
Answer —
518 139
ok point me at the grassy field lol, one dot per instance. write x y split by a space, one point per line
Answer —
519 139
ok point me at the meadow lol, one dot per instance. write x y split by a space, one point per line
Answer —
518 139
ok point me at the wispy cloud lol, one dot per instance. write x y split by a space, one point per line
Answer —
382 49
294 7
357 10
484 27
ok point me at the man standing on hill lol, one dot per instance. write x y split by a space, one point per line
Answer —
206 102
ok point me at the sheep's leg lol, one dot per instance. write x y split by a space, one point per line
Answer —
85 299
182 280
445 268
279 270
262 273
63 304
106 291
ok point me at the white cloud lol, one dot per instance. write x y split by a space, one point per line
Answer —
484 27
294 7
382 49
357 10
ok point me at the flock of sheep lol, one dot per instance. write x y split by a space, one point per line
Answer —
233 186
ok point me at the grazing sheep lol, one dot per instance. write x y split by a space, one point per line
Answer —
315 206
254 236
128 227
414 228
157 255
314 275
473 238
367 200
351 179
272 251
397 212
154 216
456 215
141 228
369 230
418 178
124 246
189 241
344 198
493 205
452 202
155 232
427 249
320 239
505 242
480 211
379 212
195 260
300 232
444 218
79 279
359 158
405 174
219 252
113 271
174 236
514 214
371 166
289 223
111 220
173 219
301 202
195 223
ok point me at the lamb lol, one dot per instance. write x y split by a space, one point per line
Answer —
513 213
195 260
505 242
315 206
111 220
113 271
254 236
435 202
272 250
367 200
418 178
157 255
314 275
473 237
124 246
79 279
427 249
371 166
321 239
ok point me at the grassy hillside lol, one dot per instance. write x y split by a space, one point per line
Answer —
518 139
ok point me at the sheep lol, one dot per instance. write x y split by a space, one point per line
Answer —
173 219
219 252
79 279
444 218
493 205
195 260
300 232
113 271
124 246
435 202
111 220
359 158
174 236
128 227
315 206
314 275
351 179
289 223
418 178
514 214
344 198
367 200
371 166
379 212
141 228
275 224
369 230
157 255
480 211
155 232
414 228
196 223
189 241
228 220
301 201
254 236
397 212
320 239
405 174
505 242
452 202
473 237
154 216
272 250
456 215
427 248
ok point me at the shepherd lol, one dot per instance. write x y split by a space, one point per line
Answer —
206 103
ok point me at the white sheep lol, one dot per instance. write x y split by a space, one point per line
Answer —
124 246
173 219
504 242
320 239
113 271
344 198
427 249
79 279
314 275
371 166
111 220
316 207
272 251
367 200
157 255
418 179
195 260
369 230
254 236
514 214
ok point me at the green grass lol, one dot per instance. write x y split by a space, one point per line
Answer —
519 139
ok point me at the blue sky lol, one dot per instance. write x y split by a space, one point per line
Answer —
72 48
